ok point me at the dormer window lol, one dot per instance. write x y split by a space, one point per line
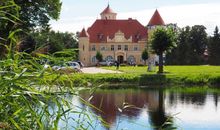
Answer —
138 36
100 36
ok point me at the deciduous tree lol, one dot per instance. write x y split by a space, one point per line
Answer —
214 48
198 44
99 56
38 13
162 40
145 55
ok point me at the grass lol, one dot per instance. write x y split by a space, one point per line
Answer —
176 70
174 75
138 76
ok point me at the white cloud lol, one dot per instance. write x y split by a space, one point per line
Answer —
183 15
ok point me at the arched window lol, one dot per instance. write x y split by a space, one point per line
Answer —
93 59
109 58
131 59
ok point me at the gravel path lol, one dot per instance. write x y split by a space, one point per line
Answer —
95 70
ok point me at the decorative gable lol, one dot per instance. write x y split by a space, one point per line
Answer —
119 37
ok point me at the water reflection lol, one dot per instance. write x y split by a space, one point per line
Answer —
110 104
154 108
216 96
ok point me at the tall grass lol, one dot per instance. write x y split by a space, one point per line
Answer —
26 95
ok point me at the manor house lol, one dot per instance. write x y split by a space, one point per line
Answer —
116 39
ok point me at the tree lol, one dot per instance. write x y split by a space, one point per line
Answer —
198 44
162 40
180 54
98 56
38 13
191 46
24 16
145 55
214 48
56 41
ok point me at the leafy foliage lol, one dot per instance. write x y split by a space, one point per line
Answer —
99 56
162 40
54 41
214 48
145 55
25 95
191 45
37 13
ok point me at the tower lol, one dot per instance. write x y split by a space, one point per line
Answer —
108 14
84 47
155 21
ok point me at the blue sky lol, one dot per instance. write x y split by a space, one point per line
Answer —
77 14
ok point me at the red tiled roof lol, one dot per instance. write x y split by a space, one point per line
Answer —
108 10
156 19
99 31
83 33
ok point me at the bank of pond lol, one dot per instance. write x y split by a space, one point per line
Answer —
130 80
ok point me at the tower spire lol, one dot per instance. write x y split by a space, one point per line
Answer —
108 13
156 19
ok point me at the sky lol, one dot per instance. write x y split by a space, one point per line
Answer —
78 14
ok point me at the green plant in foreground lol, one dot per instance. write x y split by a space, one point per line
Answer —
26 99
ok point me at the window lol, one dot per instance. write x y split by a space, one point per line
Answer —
126 48
135 48
93 47
112 48
119 47
102 48
100 37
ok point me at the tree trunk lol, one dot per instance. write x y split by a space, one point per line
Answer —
160 63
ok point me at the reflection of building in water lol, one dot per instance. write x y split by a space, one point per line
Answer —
109 103
156 103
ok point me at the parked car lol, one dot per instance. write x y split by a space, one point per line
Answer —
56 67
107 63
72 65
110 63
103 63
80 63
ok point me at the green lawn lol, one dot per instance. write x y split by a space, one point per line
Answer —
174 70
174 75
177 75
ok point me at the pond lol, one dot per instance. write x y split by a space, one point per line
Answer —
140 109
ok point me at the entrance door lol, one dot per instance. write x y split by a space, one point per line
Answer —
120 59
